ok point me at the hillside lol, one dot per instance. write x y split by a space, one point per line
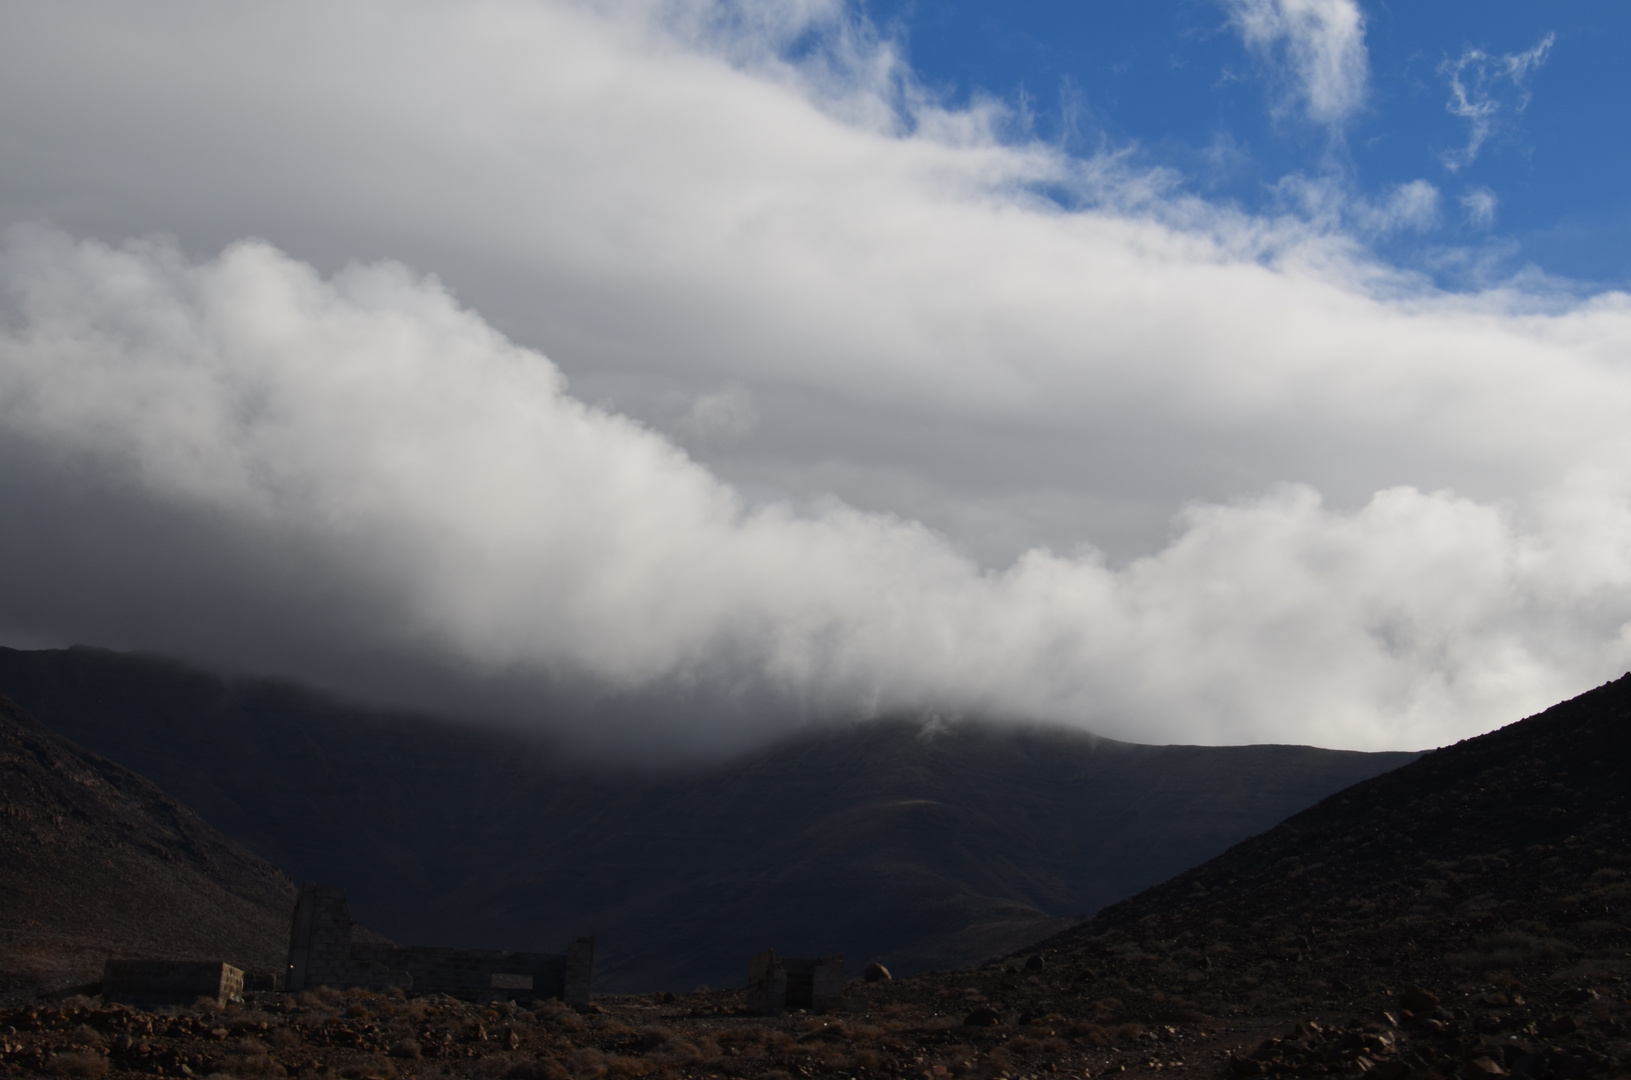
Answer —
1471 906
926 846
95 861
1464 916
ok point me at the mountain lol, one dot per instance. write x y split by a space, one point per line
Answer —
924 845
95 861
1472 907
1463 916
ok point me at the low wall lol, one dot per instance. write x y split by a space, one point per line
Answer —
170 982
321 953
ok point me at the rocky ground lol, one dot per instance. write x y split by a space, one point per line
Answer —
1464 916
982 1024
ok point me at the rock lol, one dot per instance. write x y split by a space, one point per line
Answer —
1482 1066
876 972
1239 1066
1389 1070
1035 963
1416 1000
984 1016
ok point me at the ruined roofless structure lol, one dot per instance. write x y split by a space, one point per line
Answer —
777 985
321 953
171 982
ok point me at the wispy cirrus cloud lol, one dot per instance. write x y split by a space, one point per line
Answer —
1318 47
1486 89
1480 204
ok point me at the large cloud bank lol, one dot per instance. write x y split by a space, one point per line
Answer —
932 440
439 477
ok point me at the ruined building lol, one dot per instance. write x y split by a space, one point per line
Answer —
322 953
171 982
775 986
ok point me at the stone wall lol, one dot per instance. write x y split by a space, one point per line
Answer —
321 953
777 985
170 982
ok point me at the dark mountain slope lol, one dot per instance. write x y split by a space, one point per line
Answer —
1462 917
1495 875
95 861
926 846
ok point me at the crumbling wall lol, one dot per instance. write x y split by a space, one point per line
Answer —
320 946
170 982
321 953
777 985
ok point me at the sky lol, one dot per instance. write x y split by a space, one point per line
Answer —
669 374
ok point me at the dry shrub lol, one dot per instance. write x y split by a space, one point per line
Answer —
586 1063
566 1020
621 1065
867 1058
1083 1029
406 1048
538 1068
749 1035
677 1049
776 1074
283 1038
249 1060
1129 1032
77 1063
368 1067
835 1058
85 1035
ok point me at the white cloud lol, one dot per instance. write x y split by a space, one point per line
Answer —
1400 514
724 415
1321 43
1482 87
1480 203
1334 205
369 421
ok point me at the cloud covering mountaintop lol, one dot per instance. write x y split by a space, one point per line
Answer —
751 374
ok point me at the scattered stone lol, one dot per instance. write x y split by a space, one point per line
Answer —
1418 1001
984 1016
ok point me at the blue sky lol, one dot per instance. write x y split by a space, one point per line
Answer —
1174 83
671 373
